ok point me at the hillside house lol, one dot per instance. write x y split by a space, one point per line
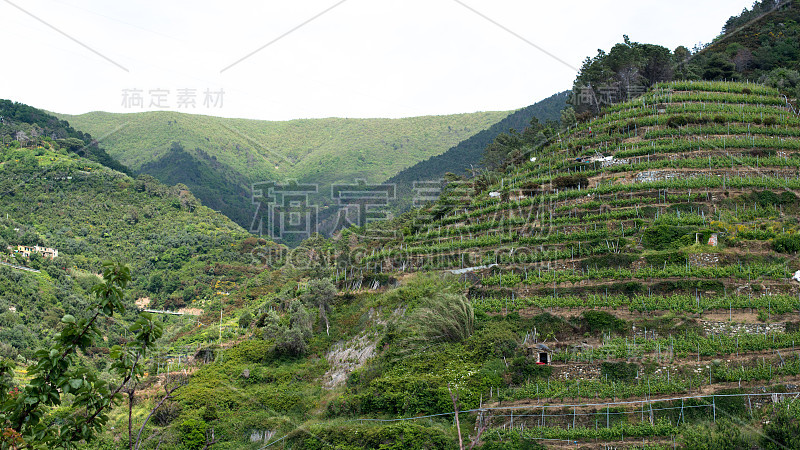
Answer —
27 251
541 353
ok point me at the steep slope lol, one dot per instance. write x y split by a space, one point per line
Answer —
468 153
219 187
176 247
754 44
644 255
30 127
651 250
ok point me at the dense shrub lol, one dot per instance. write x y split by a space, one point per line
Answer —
523 368
513 442
619 371
245 319
725 435
402 435
603 321
547 324
570 182
769 198
687 286
677 121
783 431
668 257
168 412
663 237
615 260
787 243
193 434
496 339
291 342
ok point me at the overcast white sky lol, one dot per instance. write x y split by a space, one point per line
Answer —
360 58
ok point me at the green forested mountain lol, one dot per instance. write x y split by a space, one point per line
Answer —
228 155
469 152
218 186
25 126
762 43
616 279
177 247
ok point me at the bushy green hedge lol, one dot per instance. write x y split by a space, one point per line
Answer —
603 321
663 237
495 339
570 182
668 257
619 371
787 243
357 436
523 368
618 260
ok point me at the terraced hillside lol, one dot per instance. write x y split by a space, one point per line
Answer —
652 251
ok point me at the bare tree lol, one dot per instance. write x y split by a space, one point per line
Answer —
169 389
482 423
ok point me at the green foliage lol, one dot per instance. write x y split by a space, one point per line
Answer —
723 435
718 67
783 429
320 293
548 325
602 321
291 342
420 288
220 159
663 237
444 318
619 371
494 339
570 182
758 42
666 257
626 68
245 319
56 374
215 184
787 243
677 121
523 368
83 215
36 126
290 338
193 434
512 442
168 412
747 15
355 436
618 260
